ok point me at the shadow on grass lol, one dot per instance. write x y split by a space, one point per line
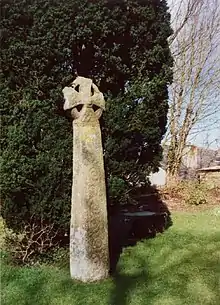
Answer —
125 284
152 273
129 224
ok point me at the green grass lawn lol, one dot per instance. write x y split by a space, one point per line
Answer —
180 266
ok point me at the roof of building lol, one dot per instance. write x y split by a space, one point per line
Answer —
209 169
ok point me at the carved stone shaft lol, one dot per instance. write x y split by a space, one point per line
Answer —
89 254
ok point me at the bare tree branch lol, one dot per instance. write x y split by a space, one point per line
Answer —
195 92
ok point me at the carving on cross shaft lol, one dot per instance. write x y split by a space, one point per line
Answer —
84 100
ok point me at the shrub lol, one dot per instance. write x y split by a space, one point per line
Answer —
60 257
34 243
189 192
196 193
2 233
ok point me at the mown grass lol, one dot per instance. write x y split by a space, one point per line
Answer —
180 266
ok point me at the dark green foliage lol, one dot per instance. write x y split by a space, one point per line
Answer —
123 46
35 162
133 130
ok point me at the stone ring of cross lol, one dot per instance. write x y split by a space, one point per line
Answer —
81 96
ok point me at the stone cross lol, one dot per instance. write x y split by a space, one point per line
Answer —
89 254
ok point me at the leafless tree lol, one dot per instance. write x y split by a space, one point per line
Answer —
195 92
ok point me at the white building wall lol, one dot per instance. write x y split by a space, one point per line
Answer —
159 178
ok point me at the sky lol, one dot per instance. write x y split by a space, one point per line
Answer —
209 138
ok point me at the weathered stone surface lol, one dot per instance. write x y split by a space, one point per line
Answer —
88 229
